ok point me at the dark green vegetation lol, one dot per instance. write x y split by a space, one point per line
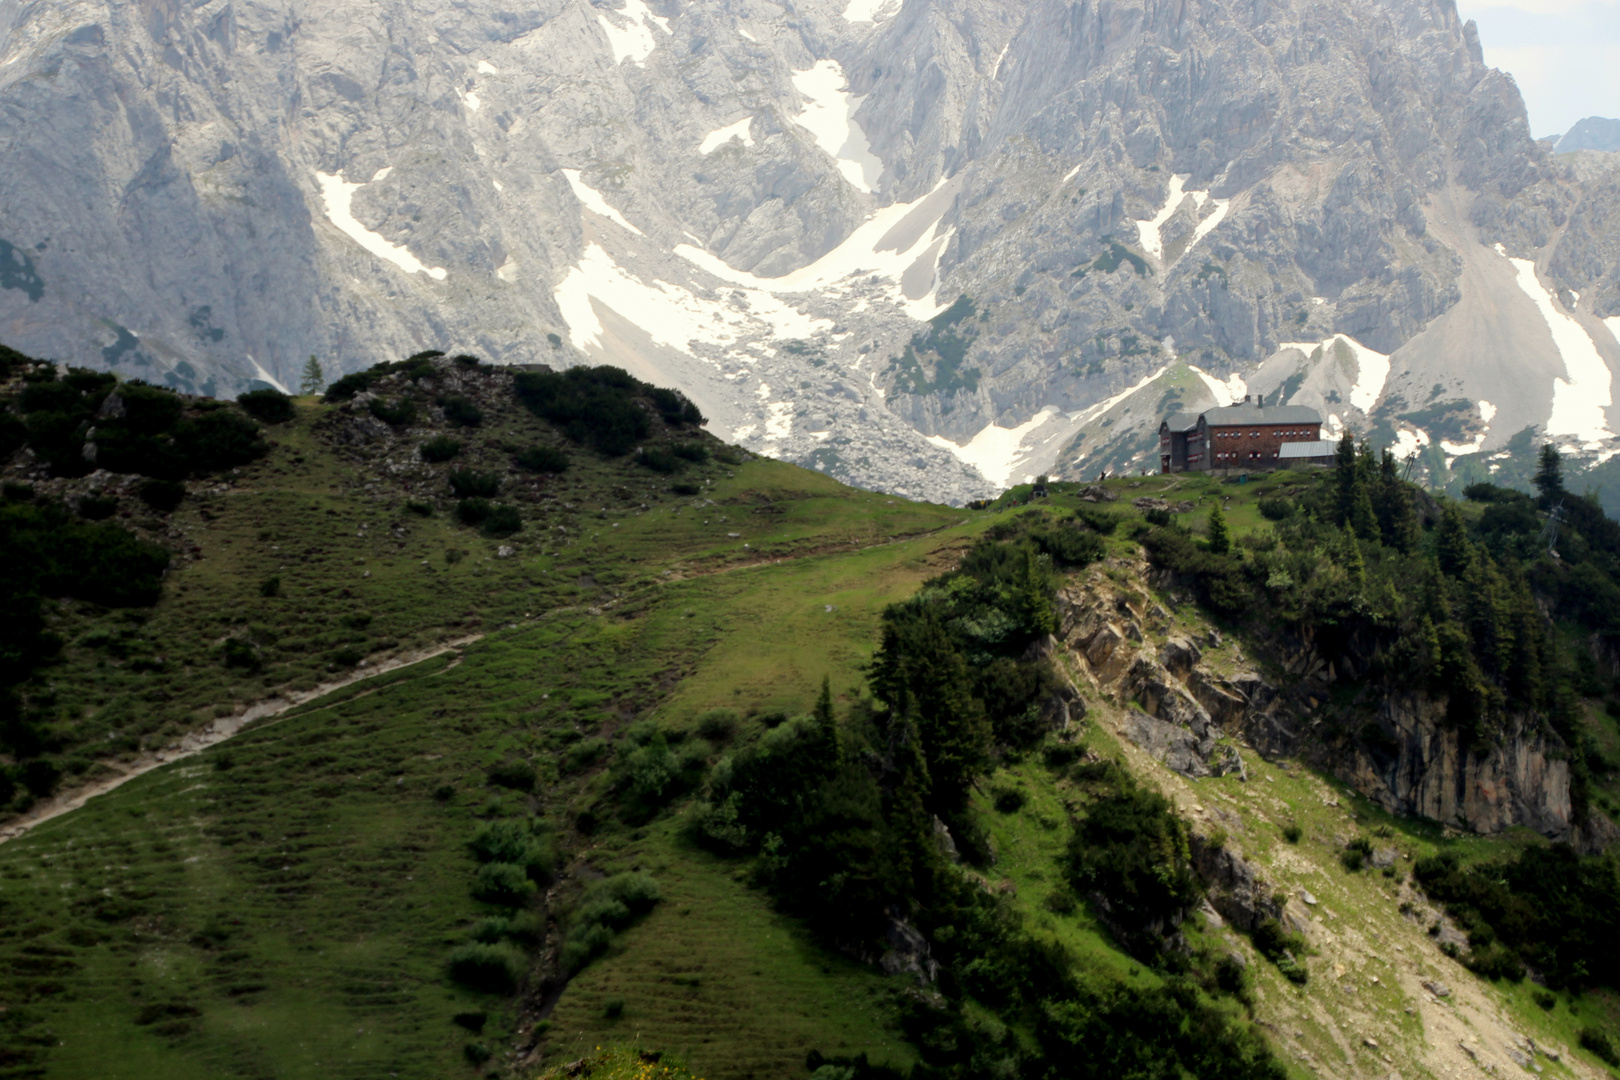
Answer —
844 821
73 422
943 349
1412 595
1549 910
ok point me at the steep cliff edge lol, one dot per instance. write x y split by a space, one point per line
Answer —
1193 693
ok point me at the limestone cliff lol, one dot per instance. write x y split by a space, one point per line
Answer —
1192 694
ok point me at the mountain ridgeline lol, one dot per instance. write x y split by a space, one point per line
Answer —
556 724
765 208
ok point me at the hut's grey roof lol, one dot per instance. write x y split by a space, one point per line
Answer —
1321 448
1182 421
1248 413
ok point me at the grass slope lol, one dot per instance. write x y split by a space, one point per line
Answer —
284 905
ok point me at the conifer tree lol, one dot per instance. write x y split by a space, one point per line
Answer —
1220 539
314 379
1549 478
1452 546
826 719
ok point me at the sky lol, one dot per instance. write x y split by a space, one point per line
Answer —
1564 54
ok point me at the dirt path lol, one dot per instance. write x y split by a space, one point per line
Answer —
228 727
225 728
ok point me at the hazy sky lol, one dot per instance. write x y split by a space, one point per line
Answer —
1564 54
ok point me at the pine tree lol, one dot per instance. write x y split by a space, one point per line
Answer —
1362 519
1549 479
826 719
314 379
1220 539
1347 478
1452 545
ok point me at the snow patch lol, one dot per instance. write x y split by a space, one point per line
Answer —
995 451
634 42
1487 411
717 138
508 271
1149 231
671 315
779 420
1408 442
487 68
746 34
1372 368
867 10
1224 393
829 116
258 369
592 200
1614 328
338 196
471 100
996 74
1579 401
861 255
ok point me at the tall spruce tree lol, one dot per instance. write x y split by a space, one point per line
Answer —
1549 478
314 379
1220 538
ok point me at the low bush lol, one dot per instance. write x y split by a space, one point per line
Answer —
268 406
462 412
542 459
473 511
400 413
1598 1042
97 508
503 520
1277 509
1099 521
505 884
440 448
583 754
659 459
420 509
1356 854
1008 800
610 906
687 489
493 969
270 587
691 451
1281 948
470 483
719 726
162 495
1132 850
517 775
1292 832
240 653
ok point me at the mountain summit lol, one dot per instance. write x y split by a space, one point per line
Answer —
928 246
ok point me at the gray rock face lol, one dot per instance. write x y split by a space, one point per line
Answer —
763 203
1422 767
1593 133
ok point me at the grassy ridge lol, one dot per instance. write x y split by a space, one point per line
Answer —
284 904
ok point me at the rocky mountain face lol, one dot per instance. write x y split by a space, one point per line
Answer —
776 206
1594 133
1198 693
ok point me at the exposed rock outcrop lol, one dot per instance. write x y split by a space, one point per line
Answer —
1187 714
